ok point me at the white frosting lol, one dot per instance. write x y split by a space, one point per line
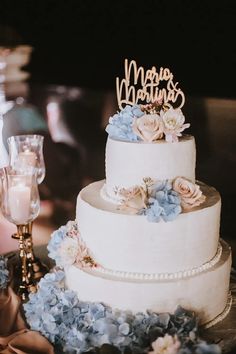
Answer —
195 293
222 315
127 163
160 276
129 243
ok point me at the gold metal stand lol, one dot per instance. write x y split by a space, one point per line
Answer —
26 283
38 268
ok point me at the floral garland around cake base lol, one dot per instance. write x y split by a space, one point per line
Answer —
75 326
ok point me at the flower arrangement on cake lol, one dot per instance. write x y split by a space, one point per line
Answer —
148 123
154 122
162 199
66 247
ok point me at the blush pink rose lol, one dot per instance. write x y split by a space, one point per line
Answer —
133 199
189 192
84 258
149 127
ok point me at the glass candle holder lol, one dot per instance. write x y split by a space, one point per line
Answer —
26 153
20 201
20 204
26 156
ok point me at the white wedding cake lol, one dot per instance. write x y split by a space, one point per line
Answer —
149 233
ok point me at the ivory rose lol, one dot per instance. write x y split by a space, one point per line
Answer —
173 124
149 127
165 345
133 199
189 192
68 250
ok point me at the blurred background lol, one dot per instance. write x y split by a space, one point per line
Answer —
85 42
62 60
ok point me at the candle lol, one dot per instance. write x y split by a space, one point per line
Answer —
19 204
27 158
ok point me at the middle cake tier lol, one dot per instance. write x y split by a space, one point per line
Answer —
129 243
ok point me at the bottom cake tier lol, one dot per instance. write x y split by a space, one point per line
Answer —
205 293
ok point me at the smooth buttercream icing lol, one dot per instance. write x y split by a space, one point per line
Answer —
127 163
130 243
195 292
100 271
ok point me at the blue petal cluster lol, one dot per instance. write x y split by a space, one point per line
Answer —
74 326
54 244
164 203
4 273
120 125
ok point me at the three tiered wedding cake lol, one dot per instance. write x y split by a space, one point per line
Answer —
149 234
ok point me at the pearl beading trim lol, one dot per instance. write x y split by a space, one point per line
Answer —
133 276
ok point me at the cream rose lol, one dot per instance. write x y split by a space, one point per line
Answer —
69 250
173 124
149 127
189 192
166 345
133 199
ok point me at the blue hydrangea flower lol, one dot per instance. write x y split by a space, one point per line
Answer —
120 125
154 211
54 244
169 200
4 273
164 202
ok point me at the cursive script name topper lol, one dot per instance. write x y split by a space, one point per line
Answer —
139 85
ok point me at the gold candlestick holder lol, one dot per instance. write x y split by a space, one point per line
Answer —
39 269
36 269
26 283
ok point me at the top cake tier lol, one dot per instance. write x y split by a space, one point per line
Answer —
127 163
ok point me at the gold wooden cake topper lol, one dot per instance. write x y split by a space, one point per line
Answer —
140 86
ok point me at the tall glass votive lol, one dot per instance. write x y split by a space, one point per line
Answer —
20 204
26 156
26 152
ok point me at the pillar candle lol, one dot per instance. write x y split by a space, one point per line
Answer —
27 158
19 203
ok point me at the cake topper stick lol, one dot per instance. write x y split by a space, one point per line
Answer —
143 86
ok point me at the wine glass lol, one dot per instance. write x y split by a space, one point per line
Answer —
26 153
26 156
20 204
